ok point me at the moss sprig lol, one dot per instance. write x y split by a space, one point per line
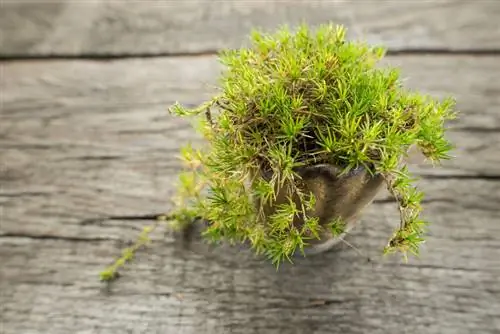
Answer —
111 272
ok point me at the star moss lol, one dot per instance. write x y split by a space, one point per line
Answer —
301 98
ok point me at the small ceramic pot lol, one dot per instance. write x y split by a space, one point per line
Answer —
337 196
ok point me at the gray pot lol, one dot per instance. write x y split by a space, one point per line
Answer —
336 196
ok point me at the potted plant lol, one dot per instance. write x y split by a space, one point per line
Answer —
303 133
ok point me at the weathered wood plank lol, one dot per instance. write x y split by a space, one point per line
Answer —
89 139
194 288
116 109
134 27
77 201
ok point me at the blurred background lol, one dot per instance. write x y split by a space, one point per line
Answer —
88 155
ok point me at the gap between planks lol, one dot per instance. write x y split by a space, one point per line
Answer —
119 56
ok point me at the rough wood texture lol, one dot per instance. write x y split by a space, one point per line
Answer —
81 140
178 288
166 27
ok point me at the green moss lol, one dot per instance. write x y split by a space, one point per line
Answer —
306 97
299 98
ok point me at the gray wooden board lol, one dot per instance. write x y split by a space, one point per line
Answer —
60 27
50 285
83 139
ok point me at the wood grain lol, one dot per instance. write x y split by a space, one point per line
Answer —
83 140
101 27
50 285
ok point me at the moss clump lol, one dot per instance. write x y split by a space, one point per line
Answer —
301 98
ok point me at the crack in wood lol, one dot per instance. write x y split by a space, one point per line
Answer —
483 177
25 193
444 52
389 200
54 237
165 216
438 267
212 52
98 157
100 220
477 129
326 302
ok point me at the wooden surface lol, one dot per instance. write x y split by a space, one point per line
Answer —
57 27
86 146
